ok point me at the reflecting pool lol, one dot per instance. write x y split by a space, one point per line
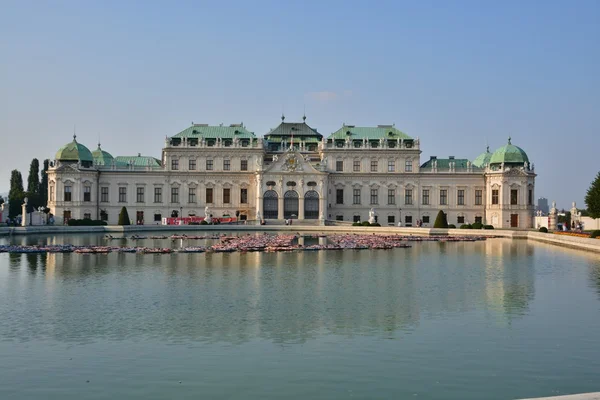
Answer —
497 319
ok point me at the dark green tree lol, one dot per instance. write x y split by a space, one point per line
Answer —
33 180
1 200
16 194
44 184
124 217
592 198
441 221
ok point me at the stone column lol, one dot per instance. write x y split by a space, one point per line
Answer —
301 206
24 213
552 217
280 207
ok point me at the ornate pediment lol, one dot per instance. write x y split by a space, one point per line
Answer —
291 162
516 172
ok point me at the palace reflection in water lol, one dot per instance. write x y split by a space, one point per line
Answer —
280 297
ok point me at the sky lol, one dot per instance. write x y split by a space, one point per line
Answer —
457 74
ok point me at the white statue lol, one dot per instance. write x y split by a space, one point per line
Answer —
258 215
275 157
207 216
259 161
371 216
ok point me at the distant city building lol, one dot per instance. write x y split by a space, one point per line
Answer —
542 205
294 172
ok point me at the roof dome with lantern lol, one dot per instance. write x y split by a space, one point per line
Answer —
102 157
75 152
509 154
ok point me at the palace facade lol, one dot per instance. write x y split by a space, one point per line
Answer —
294 172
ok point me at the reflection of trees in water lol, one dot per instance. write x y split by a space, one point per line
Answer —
281 297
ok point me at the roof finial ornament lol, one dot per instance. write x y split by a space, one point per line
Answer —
304 114
74 134
282 117
509 140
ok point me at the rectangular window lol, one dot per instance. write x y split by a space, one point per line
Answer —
192 195
443 197
192 166
174 164
408 196
157 217
374 196
103 215
460 220
158 195
87 216
339 165
460 197
209 165
373 165
244 165
339 217
226 165
140 195
104 194
174 195
478 197
391 219
356 196
391 166
408 220
426 219
356 166
495 196
209 195
514 196
226 196
408 166
87 193
67 193
339 196
425 197
244 196
391 196
122 195
356 218
530 197
479 220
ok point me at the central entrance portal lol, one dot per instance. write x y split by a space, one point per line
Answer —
270 207
290 204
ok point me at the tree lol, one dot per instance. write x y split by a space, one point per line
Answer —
592 198
16 194
44 184
441 221
1 200
124 217
33 184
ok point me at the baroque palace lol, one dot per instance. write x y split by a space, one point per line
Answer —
294 172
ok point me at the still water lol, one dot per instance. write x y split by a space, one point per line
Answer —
489 320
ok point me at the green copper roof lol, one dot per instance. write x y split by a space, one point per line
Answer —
137 161
74 152
212 132
102 157
509 154
287 129
361 132
483 159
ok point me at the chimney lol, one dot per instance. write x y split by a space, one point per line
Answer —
451 157
433 157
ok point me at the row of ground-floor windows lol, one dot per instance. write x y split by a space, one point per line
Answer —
408 197
158 195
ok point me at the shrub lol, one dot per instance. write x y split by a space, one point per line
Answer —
194 223
543 229
441 221
595 234
488 227
86 222
203 222
376 224
451 226
124 217
365 223
466 226
477 225
356 224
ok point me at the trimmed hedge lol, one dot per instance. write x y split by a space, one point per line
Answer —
124 217
86 222
543 229
488 227
466 226
366 223
441 221
356 224
203 222
595 234
451 226
477 225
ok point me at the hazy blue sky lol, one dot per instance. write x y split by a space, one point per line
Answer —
456 74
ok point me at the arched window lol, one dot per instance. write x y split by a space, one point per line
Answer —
311 205
290 204
270 205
